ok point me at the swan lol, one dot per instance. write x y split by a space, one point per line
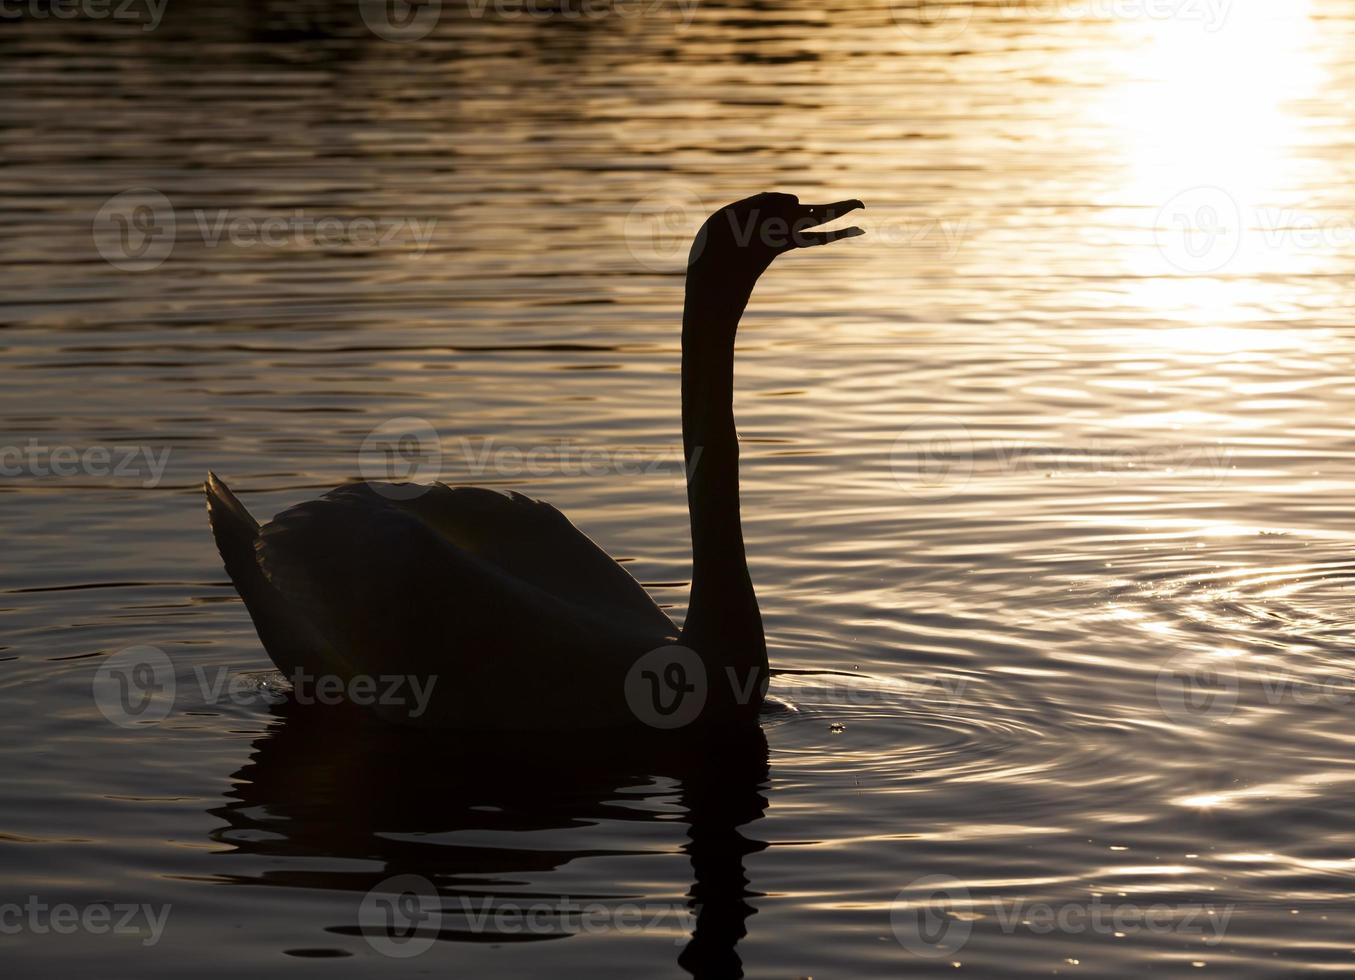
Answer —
493 605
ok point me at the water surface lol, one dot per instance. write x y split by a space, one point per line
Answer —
1046 481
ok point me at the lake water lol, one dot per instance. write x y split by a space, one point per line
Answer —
1047 480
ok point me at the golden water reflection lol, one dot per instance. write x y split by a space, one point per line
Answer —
1078 406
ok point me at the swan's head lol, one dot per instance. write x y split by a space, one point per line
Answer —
741 239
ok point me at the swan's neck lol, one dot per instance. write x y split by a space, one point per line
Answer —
723 623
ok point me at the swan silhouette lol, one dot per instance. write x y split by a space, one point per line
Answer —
334 801
508 615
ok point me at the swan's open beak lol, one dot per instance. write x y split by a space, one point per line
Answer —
820 214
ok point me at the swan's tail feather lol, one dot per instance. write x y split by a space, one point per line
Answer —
290 643
220 499
235 529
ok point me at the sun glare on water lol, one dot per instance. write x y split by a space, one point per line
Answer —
1212 133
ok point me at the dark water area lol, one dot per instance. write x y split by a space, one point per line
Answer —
1066 432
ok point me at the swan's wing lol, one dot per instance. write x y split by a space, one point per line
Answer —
399 587
535 543
365 575
291 640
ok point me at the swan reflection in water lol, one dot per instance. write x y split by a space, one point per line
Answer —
335 783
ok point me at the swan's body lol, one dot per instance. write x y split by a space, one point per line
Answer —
487 592
508 613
